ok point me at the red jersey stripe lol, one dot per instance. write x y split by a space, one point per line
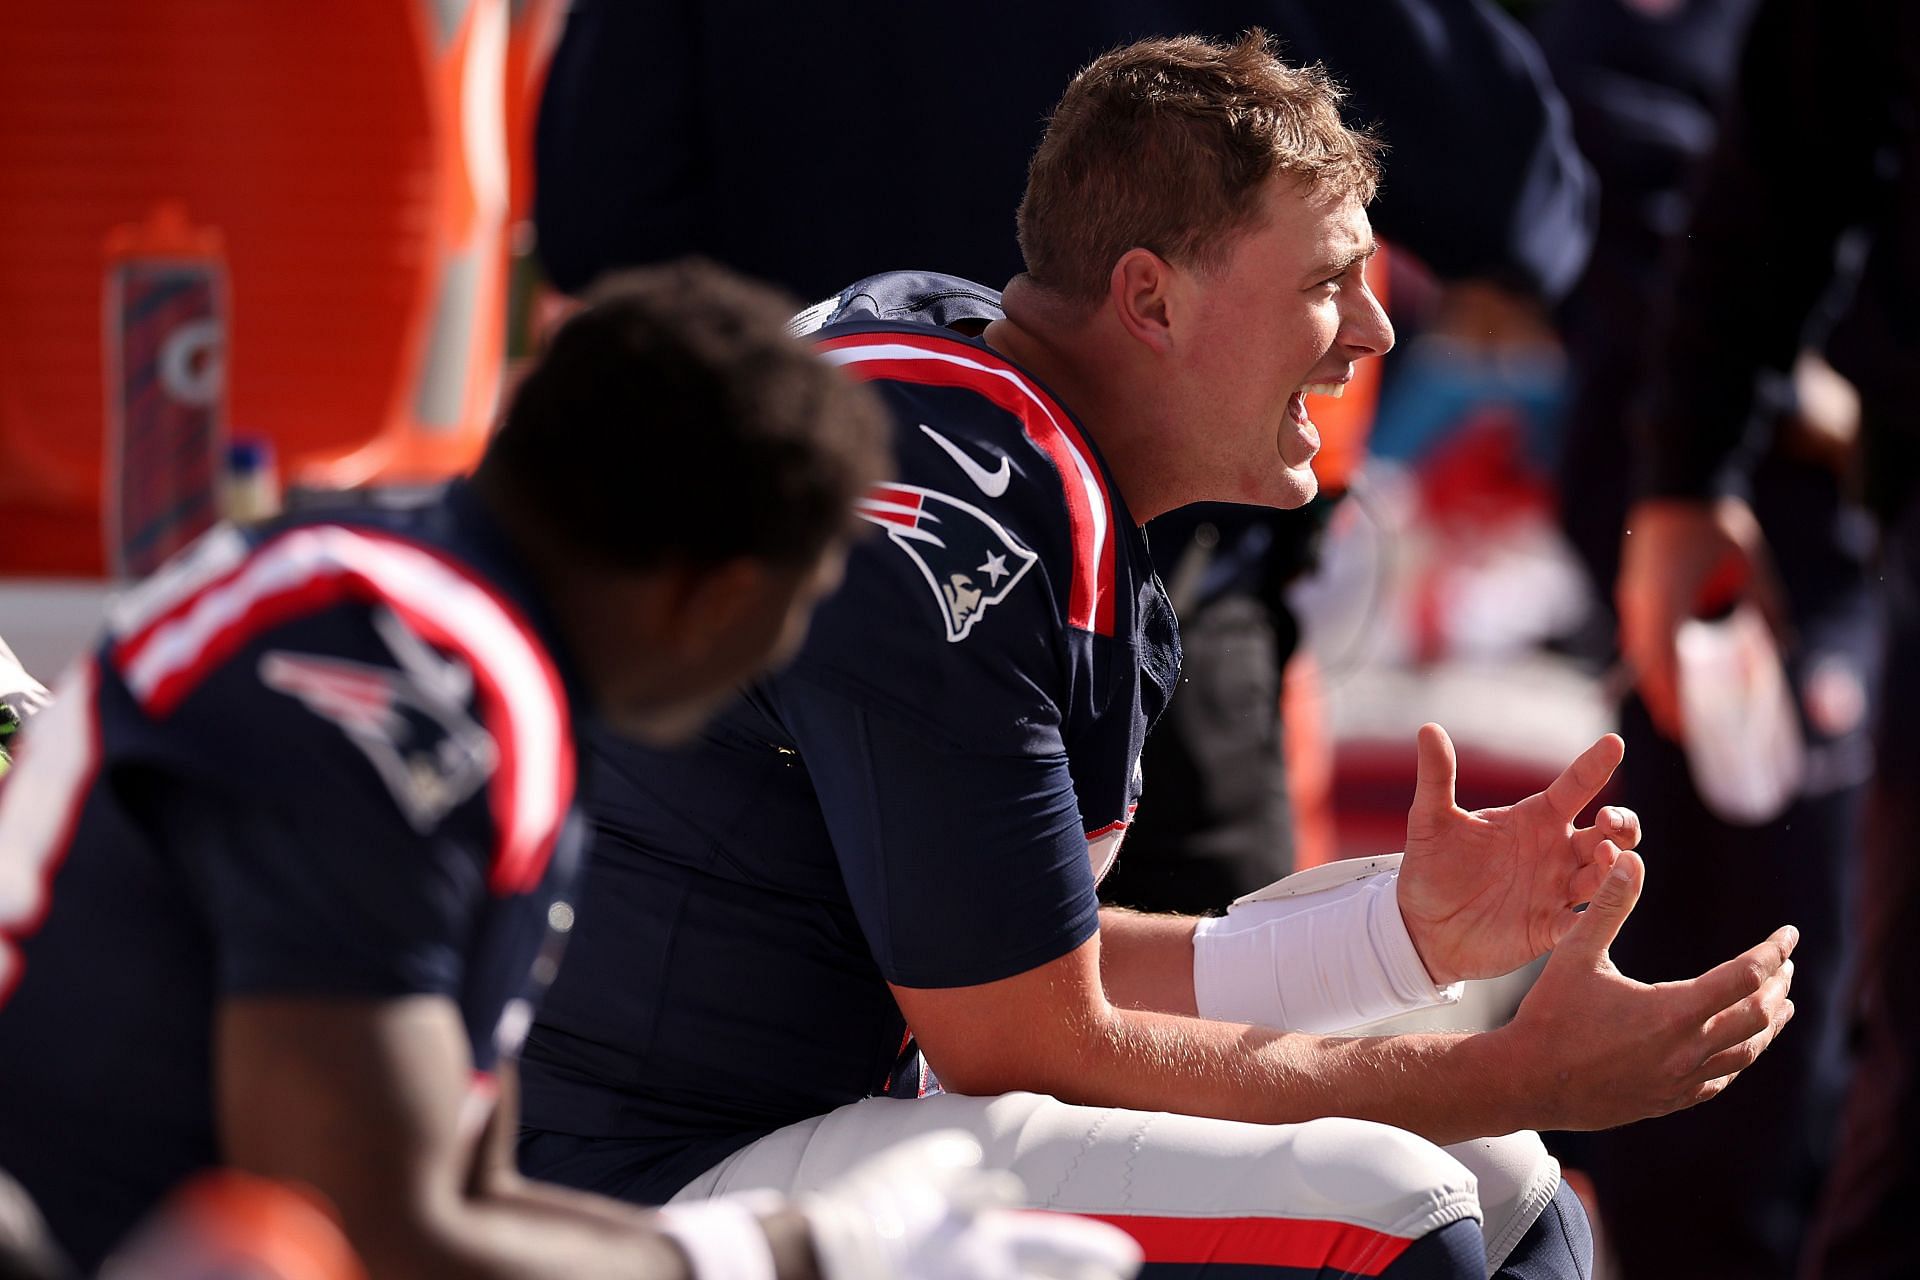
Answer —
136 617
884 504
931 360
306 569
900 518
1307 1243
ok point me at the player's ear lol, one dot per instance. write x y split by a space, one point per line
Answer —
1143 291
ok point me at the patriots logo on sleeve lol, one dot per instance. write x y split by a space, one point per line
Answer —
411 723
968 558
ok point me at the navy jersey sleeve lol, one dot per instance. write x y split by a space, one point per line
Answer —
964 866
330 810
929 706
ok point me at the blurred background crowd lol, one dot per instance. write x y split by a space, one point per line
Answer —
1646 260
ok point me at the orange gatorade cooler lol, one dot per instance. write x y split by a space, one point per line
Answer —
353 156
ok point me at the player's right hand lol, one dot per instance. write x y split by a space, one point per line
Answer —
925 1210
1598 1049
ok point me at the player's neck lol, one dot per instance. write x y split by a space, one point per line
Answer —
1072 352
599 629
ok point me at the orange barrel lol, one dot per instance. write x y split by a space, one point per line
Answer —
353 156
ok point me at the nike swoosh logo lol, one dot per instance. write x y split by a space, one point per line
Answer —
991 483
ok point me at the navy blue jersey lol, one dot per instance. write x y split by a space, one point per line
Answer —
333 760
926 796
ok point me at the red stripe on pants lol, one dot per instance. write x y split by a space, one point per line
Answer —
1273 1242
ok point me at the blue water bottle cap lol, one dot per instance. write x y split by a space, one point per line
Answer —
249 455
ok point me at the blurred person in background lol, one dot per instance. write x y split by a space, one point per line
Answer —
1648 82
660 132
288 860
894 845
1819 156
664 130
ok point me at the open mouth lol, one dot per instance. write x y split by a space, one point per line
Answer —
1297 402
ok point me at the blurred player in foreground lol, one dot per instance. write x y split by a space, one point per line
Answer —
893 846
287 863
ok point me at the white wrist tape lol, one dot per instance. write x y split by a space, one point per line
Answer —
722 1238
1322 950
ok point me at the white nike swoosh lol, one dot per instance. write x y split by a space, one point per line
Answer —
992 483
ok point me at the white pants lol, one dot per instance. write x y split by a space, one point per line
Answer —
1336 1193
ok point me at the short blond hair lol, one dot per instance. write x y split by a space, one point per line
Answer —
1166 144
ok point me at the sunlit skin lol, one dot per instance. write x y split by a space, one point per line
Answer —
1189 378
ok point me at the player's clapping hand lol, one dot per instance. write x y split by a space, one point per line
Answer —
1597 1049
925 1210
1485 892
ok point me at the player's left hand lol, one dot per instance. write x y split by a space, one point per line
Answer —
1485 892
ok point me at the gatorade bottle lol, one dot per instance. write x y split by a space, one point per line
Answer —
166 335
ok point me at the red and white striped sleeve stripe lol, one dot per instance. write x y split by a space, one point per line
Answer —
931 360
179 641
886 504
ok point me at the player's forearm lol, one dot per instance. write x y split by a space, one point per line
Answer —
364 1101
1146 961
1445 1087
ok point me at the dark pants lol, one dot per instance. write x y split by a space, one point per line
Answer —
1215 821
1866 1224
1558 1246
1727 1189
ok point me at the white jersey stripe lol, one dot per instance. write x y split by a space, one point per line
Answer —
216 553
325 561
898 508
